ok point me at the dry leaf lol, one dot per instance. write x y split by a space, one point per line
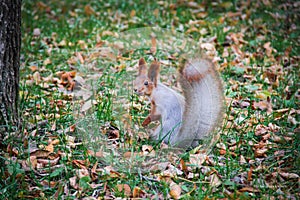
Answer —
242 160
33 68
36 77
81 163
82 173
94 174
73 183
45 183
289 175
40 153
32 162
138 193
197 159
132 13
175 190
88 10
50 148
263 105
215 181
124 188
47 61
248 189
268 48
147 150
80 57
36 32
260 152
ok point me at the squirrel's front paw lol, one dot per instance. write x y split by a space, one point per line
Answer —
146 121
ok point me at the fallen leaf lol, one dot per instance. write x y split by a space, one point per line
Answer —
147 150
36 32
40 153
32 162
124 188
215 181
260 152
289 175
268 48
138 193
81 163
248 189
263 105
73 183
88 10
175 190
33 68
197 159
82 173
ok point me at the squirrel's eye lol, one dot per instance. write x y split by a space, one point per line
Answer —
146 83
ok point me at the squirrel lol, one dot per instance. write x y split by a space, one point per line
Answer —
184 120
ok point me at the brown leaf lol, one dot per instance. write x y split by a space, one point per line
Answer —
32 161
242 160
46 183
260 152
82 173
81 163
202 14
40 153
94 172
215 181
88 10
50 148
47 61
33 68
73 183
183 165
124 188
175 190
268 48
249 178
46 162
37 77
138 193
197 159
80 58
147 150
248 189
289 175
98 154
132 13
263 105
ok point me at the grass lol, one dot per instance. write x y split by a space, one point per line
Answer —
240 169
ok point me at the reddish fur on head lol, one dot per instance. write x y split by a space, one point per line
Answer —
153 73
146 81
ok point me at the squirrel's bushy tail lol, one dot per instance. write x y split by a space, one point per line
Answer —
204 101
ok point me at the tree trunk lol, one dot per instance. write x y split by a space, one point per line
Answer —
10 43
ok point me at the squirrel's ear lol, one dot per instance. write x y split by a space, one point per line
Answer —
142 67
153 73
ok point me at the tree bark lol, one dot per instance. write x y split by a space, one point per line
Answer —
10 44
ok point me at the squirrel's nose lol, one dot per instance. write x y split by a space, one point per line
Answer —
135 90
